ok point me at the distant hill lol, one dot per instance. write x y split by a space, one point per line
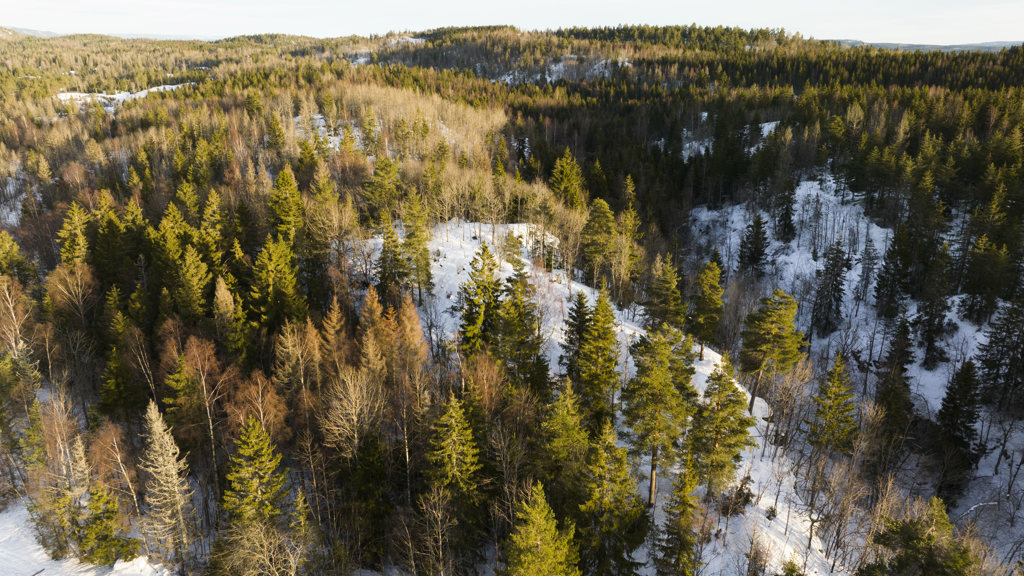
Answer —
8 31
979 47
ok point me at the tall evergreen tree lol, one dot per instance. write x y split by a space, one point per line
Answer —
679 542
563 453
931 312
598 359
830 292
454 459
613 521
753 257
868 263
415 246
256 482
392 267
536 545
275 295
834 426
957 418
383 188
480 296
517 341
567 181
74 235
665 303
1001 357
655 407
771 342
103 540
893 390
193 286
598 238
706 306
989 273
720 430
892 284
576 326
286 206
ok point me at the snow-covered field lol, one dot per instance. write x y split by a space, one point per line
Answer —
111 101
21 555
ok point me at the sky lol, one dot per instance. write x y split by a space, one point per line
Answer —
897 21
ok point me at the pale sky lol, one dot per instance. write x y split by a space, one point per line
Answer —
901 21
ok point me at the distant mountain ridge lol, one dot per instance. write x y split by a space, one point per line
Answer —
979 47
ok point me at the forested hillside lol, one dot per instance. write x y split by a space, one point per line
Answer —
636 300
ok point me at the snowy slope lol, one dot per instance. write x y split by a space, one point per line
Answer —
21 555
786 536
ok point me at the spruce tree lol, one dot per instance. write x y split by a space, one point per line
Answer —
275 295
679 542
286 206
168 521
665 304
613 523
383 188
753 257
892 284
567 181
834 426
989 274
1001 357
957 419
102 540
517 341
868 263
536 545
931 312
892 392
392 267
415 246
74 235
720 430
655 409
563 453
830 291
453 458
771 342
598 238
256 482
576 326
598 359
479 296
193 286
706 306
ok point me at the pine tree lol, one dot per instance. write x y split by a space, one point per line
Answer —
382 189
567 181
563 453
655 408
192 292
931 312
868 262
827 311
256 483
613 521
679 543
892 284
957 418
102 540
753 257
720 429
536 545
989 273
706 306
665 304
771 342
576 326
454 458
834 426
415 247
480 296
597 238
286 206
893 390
392 266
598 359
168 521
517 341
275 295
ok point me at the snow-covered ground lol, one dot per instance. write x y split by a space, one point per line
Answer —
21 555
109 102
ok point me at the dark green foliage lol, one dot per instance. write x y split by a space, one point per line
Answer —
893 281
753 257
101 539
931 316
613 522
957 419
892 393
563 453
392 266
830 292
771 341
567 181
74 235
658 400
598 239
665 304
989 271
480 296
922 546
536 545
681 538
454 459
576 326
286 206
415 248
256 482
1001 357
382 189
518 341
275 295
834 426
706 306
720 430
598 360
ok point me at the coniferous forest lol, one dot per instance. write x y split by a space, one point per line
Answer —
731 302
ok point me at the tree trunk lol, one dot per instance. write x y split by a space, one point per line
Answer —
654 476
